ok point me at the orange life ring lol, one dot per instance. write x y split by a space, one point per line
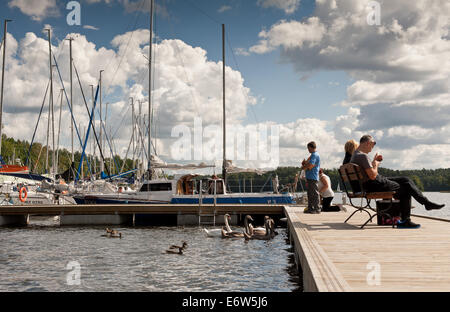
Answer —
23 194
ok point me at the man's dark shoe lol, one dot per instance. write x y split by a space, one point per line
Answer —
407 224
431 206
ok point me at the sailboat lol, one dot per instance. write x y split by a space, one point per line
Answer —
183 188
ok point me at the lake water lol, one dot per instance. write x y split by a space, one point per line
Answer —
35 259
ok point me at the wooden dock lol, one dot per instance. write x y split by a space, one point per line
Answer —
128 209
340 257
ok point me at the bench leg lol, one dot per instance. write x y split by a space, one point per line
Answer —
370 220
362 209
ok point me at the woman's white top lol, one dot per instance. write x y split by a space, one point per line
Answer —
328 192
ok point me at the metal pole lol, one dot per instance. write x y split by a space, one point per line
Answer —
150 92
51 99
224 170
59 130
3 81
93 126
71 94
133 130
102 168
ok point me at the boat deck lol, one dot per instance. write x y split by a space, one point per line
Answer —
337 256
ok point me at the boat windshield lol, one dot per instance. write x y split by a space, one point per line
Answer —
156 187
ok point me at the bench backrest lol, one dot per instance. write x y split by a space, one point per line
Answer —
352 178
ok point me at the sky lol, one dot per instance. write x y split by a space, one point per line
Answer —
324 71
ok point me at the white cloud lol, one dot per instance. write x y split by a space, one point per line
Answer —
241 51
224 8
90 27
290 35
37 9
400 71
288 6
187 85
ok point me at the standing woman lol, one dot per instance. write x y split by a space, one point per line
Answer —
326 192
350 148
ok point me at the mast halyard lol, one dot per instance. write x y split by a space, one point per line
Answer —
224 165
150 92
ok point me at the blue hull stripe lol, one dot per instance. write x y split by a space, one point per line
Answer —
193 201
236 200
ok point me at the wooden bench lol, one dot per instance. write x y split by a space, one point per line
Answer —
352 180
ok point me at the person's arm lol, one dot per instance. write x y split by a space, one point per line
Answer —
325 184
309 165
373 171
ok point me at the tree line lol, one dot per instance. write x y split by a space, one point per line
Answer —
429 180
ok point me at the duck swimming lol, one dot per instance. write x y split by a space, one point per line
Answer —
112 234
183 247
173 251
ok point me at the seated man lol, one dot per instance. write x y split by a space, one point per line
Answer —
374 182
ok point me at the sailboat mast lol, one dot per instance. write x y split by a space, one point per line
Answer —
71 94
50 108
150 92
102 167
224 170
3 81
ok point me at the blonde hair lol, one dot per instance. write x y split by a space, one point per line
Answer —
351 146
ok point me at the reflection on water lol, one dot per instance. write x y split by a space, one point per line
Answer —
35 259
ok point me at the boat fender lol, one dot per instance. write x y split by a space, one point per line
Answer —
23 194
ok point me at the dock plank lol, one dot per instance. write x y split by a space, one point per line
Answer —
403 259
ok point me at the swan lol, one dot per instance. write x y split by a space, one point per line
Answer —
272 228
259 230
265 236
218 232
235 234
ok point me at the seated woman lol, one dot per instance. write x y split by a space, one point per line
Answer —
350 148
326 192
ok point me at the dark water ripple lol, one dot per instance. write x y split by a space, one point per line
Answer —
35 258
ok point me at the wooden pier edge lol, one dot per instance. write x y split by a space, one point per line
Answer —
319 272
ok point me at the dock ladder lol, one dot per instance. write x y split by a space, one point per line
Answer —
206 218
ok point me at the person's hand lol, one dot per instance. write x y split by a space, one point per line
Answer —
378 157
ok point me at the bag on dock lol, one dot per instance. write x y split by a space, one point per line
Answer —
393 211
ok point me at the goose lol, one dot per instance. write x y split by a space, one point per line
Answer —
266 236
173 251
235 234
183 247
218 232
